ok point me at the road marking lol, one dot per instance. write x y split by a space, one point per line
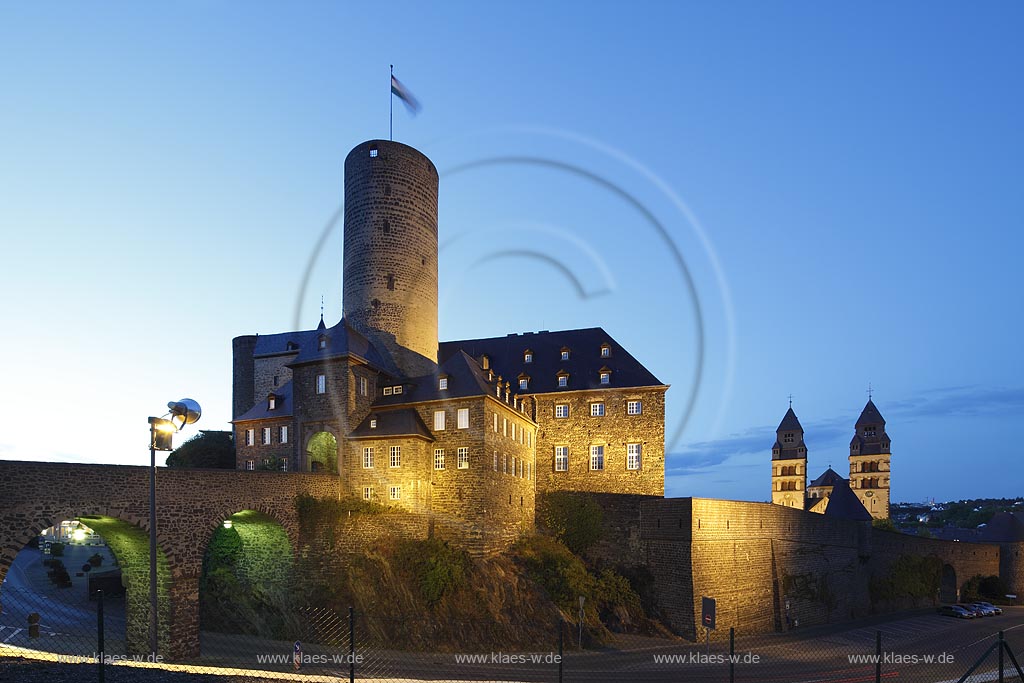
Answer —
16 632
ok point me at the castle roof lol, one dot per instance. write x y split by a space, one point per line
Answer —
586 360
304 345
464 377
261 411
843 503
1004 527
870 415
392 423
828 478
790 422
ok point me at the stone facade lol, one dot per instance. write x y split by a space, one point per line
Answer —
614 431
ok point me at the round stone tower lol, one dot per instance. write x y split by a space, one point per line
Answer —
390 264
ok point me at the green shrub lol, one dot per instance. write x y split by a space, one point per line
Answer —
435 567
910 576
883 524
983 588
574 518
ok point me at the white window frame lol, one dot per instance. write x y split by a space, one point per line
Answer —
438 458
561 458
513 431
272 403
396 456
463 458
388 391
504 426
634 407
504 464
606 378
266 435
495 423
368 454
438 420
367 493
513 465
524 383
398 389
596 457
528 357
563 380
462 418
395 493
597 409
250 465
250 437
442 383
565 355
284 464
283 434
495 461
606 351
364 386
634 453
321 384
562 408
373 423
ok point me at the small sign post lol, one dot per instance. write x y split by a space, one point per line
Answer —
707 618
297 655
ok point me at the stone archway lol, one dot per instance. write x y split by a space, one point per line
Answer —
322 453
247 577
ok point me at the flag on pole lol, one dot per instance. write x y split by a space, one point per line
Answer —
397 88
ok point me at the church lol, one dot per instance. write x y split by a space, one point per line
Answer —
466 430
865 495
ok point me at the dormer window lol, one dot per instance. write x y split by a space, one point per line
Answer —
442 383
272 403
323 342
606 351
291 346
787 437
565 353
563 381
398 389
524 382
388 391
606 376
485 362
373 152
373 423
528 356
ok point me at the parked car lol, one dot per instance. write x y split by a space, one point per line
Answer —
989 606
955 611
976 611
982 609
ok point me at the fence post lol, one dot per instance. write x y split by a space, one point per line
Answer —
1002 646
561 644
878 657
732 654
99 635
351 645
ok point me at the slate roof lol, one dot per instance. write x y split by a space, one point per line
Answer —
828 478
261 410
1004 527
585 362
304 345
843 503
870 415
790 422
391 423
465 378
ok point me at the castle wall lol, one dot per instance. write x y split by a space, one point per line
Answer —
413 475
1011 568
270 374
614 430
242 374
262 454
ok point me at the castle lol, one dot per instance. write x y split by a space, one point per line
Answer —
865 495
470 431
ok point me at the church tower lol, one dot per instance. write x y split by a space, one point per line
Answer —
869 462
789 463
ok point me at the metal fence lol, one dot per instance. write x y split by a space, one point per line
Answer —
65 636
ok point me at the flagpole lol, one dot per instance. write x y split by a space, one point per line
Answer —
391 115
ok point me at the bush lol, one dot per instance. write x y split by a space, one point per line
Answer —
983 588
435 567
574 518
883 524
910 576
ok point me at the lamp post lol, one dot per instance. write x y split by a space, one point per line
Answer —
181 413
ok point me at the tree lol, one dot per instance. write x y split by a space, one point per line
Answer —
574 518
207 449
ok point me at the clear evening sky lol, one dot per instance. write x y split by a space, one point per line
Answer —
841 183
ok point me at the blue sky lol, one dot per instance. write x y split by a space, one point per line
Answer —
757 199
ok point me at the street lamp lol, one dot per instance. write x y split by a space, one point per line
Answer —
181 413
